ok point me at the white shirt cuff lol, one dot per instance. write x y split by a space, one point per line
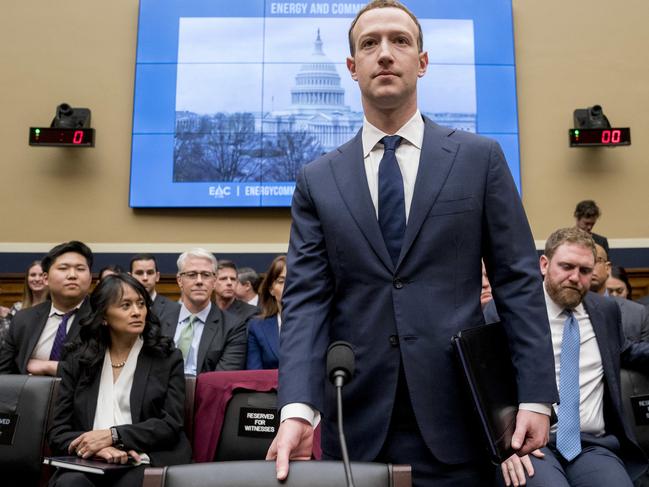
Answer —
536 407
300 410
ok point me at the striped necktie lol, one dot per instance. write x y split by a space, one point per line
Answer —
61 335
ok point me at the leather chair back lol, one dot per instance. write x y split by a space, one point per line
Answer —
240 445
27 399
262 474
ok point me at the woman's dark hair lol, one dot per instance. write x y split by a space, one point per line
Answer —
266 300
619 272
94 336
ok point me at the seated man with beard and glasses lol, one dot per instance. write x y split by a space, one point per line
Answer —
592 444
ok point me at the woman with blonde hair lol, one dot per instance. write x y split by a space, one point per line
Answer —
35 290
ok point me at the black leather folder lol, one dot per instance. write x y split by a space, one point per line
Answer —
485 360
96 466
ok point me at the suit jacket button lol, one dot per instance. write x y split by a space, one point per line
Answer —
397 283
394 340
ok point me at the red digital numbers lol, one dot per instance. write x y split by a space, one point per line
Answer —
611 136
77 138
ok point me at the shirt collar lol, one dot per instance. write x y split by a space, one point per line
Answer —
201 315
58 312
556 312
412 131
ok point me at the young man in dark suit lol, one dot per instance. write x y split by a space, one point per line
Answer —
144 268
37 335
387 235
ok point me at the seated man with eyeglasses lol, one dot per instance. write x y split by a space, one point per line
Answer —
208 339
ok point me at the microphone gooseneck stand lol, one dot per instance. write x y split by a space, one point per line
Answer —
338 382
340 370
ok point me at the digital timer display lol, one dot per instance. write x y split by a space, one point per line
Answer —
609 137
61 137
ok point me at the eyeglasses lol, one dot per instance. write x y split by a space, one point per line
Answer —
600 260
193 275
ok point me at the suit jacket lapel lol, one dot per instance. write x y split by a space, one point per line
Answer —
437 156
169 322
209 331
600 329
83 311
139 385
41 319
92 393
349 174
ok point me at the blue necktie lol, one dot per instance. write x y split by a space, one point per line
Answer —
61 335
392 206
568 428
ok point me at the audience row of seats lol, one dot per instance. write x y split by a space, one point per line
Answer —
229 417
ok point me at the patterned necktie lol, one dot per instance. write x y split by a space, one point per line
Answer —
568 429
186 337
61 335
392 206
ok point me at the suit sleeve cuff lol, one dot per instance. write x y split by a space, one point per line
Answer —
536 407
301 411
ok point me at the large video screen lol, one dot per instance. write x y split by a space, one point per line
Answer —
233 98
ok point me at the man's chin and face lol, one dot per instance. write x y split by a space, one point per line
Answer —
567 275
564 294
199 298
196 281
387 62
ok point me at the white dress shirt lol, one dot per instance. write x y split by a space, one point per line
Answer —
43 347
191 362
591 370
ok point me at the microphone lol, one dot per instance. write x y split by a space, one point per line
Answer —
340 370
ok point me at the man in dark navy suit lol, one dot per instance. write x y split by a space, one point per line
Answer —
387 236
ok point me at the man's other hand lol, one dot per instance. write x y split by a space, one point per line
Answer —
532 432
294 441
515 468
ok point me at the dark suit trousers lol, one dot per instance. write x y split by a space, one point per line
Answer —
596 466
405 445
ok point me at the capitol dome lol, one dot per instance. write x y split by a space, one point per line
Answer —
317 84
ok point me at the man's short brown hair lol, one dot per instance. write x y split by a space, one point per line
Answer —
384 4
571 235
587 209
